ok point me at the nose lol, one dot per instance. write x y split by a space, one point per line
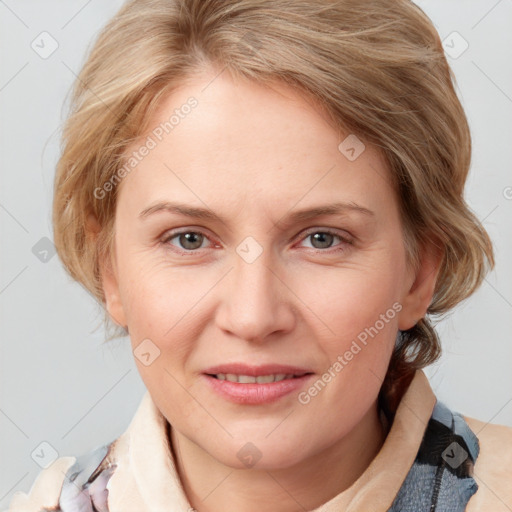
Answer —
255 301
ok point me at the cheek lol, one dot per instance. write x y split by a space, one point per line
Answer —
348 301
156 296
360 312
162 306
166 306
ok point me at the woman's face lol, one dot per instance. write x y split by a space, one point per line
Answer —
247 278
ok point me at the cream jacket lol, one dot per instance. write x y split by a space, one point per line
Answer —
146 479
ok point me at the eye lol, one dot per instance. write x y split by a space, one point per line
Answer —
323 239
189 241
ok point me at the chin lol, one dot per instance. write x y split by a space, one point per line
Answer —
259 454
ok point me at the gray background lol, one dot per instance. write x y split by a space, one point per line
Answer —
60 383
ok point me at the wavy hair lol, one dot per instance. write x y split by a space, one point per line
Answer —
377 68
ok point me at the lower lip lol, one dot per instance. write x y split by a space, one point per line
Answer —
254 393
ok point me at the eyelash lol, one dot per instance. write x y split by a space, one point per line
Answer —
344 240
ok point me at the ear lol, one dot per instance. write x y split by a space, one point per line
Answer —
111 290
419 295
109 279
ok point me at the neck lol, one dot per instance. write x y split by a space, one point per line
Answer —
214 487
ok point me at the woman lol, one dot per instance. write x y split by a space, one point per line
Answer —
268 197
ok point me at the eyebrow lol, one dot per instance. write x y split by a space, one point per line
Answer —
296 216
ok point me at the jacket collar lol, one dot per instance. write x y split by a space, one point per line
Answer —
147 477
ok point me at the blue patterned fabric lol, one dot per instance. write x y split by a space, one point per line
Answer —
440 480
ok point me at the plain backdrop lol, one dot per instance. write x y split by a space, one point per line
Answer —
60 384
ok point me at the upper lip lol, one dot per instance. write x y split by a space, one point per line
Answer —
256 371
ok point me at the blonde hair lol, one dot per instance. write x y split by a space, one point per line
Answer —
377 68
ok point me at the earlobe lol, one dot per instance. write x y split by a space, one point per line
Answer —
109 278
108 275
113 302
419 296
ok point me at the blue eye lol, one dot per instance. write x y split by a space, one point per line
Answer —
324 239
189 240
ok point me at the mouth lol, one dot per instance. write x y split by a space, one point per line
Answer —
260 379
255 385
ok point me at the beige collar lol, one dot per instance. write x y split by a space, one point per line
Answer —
147 478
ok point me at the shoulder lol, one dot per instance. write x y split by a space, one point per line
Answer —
462 464
493 467
45 490
70 483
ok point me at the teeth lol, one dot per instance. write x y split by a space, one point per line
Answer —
265 379
248 379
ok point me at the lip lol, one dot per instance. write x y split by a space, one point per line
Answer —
255 393
256 370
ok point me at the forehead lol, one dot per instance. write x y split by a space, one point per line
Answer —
225 142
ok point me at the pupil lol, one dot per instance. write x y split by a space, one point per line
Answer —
188 239
321 238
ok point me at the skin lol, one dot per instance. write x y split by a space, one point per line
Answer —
252 155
